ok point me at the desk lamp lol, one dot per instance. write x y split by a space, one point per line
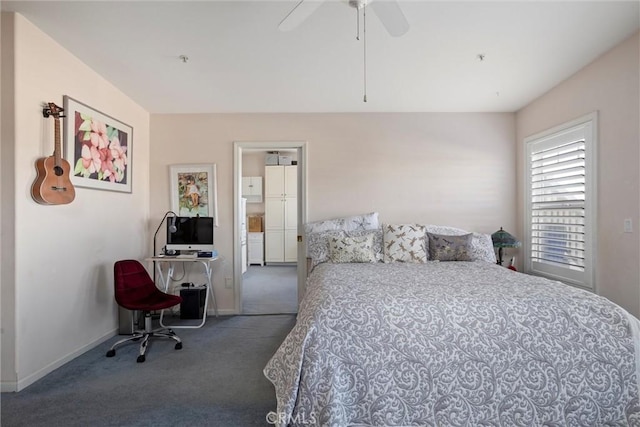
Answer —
502 239
172 229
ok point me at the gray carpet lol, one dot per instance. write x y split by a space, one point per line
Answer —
270 289
215 380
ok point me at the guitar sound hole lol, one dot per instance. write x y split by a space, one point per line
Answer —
58 170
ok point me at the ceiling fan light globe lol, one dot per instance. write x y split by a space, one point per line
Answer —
358 4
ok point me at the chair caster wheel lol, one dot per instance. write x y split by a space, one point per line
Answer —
141 359
178 346
111 353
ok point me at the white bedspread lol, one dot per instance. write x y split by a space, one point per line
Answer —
452 344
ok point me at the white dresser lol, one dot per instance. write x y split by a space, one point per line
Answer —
255 247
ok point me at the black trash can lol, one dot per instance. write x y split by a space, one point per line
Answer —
192 305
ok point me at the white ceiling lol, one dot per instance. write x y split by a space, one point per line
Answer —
240 62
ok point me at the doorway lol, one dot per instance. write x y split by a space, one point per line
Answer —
268 287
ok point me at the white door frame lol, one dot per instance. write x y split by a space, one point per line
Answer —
301 147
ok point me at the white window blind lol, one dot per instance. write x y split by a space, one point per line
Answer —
559 199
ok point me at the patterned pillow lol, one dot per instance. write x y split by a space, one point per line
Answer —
352 249
450 248
377 241
445 230
318 245
404 243
482 248
481 244
349 223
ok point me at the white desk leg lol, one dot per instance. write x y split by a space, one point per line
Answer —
165 281
208 271
206 298
207 291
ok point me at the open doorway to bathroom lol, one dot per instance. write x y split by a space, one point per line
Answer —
269 276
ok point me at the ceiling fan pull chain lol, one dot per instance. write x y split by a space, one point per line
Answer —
364 36
357 24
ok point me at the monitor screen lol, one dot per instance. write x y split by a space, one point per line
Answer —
191 233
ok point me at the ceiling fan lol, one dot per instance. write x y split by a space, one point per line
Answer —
388 12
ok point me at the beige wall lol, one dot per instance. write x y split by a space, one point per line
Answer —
7 235
440 168
59 280
610 86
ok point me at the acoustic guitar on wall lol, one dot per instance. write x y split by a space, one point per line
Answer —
52 185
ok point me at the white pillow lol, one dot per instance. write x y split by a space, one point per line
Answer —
348 223
405 243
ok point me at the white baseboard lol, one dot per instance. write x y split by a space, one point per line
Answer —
25 382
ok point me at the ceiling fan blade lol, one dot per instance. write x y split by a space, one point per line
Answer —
391 16
298 14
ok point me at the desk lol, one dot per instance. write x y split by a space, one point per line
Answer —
166 280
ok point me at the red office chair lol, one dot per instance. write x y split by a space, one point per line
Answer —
134 290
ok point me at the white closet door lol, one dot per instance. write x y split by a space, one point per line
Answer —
290 219
274 245
281 213
290 245
291 181
274 181
274 213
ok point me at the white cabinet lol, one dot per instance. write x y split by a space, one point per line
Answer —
252 188
256 247
281 213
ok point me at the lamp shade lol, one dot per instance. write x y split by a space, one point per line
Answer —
504 239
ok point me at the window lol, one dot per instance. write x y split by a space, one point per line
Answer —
560 202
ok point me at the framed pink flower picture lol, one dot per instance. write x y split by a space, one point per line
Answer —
98 147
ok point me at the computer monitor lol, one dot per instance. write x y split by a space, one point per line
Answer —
191 234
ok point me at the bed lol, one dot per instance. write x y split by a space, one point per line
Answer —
452 344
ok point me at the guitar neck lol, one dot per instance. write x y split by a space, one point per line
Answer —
57 149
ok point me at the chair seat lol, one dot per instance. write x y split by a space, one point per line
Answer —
157 301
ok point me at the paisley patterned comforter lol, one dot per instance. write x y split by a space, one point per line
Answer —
454 344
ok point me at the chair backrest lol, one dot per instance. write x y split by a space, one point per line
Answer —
132 283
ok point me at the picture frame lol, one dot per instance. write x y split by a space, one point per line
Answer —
98 147
194 190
